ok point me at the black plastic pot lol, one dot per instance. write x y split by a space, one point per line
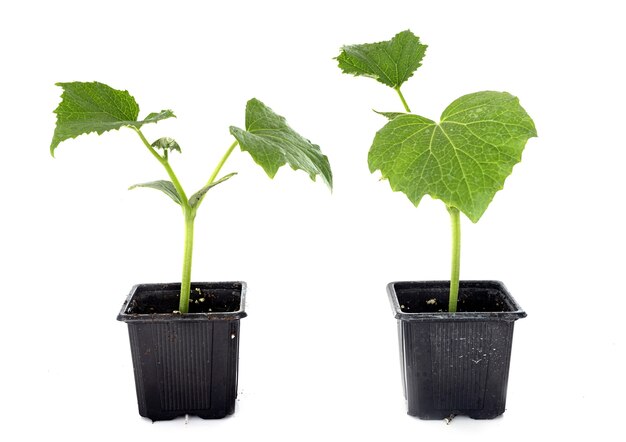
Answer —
185 364
454 363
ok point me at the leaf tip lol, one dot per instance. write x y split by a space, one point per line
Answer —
254 102
328 180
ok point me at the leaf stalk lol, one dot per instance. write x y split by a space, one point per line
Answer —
217 169
404 103
166 165
221 163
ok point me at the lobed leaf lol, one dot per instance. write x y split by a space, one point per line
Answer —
166 144
464 160
96 107
167 187
272 144
390 62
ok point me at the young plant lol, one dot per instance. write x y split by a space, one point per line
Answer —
96 107
463 160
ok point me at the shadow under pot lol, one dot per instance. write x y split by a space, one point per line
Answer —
454 363
185 364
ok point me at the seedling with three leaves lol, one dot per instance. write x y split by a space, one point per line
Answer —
463 160
96 107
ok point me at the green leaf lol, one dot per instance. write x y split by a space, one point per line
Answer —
464 160
272 143
96 107
158 116
91 107
197 197
167 144
167 187
390 62
390 115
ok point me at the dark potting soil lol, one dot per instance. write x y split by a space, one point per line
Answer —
204 298
474 296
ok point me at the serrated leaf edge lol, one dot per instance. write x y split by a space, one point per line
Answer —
343 59
123 123
473 216
271 172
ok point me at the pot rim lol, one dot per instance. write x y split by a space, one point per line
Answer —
188 317
514 310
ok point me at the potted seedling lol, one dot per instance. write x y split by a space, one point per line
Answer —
185 336
455 337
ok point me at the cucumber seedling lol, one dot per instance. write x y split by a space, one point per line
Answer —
96 107
462 160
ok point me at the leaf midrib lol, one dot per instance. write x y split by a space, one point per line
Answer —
456 154
110 101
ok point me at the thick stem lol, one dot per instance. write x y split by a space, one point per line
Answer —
455 218
185 285
404 103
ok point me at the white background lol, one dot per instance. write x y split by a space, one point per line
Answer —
318 351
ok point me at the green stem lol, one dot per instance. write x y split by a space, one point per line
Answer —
166 165
455 218
221 163
190 216
456 239
404 103
217 169
185 285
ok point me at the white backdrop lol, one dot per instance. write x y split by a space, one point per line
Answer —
318 351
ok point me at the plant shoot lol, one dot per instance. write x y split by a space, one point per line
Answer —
462 160
96 107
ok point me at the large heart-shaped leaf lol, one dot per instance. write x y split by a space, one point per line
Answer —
390 62
96 107
463 160
272 144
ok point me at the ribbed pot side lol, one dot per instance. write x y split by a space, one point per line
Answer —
455 364
185 364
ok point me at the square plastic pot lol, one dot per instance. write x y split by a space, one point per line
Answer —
185 364
454 363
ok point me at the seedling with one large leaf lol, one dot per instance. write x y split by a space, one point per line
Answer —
96 107
462 160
